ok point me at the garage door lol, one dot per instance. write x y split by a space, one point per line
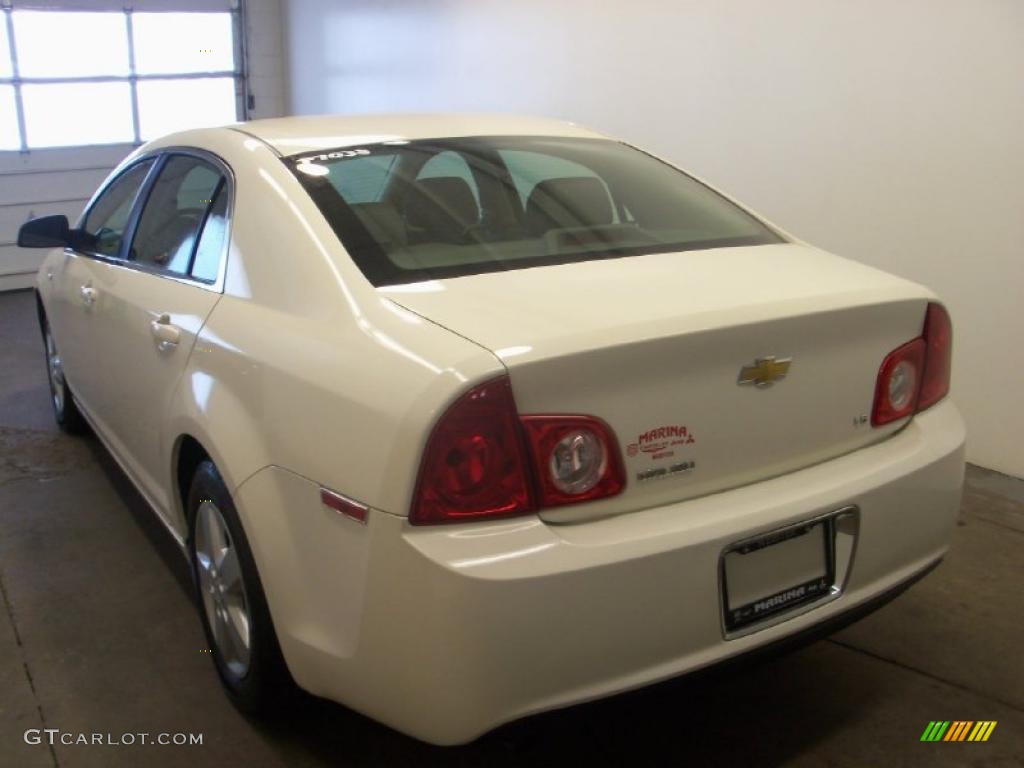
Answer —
40 183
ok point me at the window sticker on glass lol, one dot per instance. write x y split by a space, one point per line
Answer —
338 154
310 165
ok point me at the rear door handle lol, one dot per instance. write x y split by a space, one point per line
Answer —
166 335
88 294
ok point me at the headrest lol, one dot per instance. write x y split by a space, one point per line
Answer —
383 222
441 208
163 245
580 201
454 194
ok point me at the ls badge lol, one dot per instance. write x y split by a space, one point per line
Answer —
765 371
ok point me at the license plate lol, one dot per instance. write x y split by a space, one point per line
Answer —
776 573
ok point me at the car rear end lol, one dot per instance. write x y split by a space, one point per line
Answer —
547 615
446 631
541 562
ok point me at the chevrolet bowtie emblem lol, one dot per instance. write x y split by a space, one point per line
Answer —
764 372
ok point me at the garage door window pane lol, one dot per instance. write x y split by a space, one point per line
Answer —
175 105
54 44
67 114
5 51
8 119
167 43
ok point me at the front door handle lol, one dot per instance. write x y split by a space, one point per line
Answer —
166 335
88 294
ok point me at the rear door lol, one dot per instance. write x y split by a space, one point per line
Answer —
155 306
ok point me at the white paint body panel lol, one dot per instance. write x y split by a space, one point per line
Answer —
299 375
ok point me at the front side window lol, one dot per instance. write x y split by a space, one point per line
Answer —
174 214
440 208
108 217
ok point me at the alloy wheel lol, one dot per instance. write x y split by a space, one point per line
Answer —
55 372
222 589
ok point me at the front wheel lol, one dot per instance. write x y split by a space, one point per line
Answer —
232 605
65 411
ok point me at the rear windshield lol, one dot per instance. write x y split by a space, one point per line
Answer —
420 210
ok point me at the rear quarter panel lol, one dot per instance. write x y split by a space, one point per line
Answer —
302 365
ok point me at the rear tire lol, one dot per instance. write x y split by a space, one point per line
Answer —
65 411
231 603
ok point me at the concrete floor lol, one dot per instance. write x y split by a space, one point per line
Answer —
98 634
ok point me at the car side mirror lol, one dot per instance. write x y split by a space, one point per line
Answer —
45 232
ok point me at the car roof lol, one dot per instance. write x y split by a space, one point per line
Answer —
297 135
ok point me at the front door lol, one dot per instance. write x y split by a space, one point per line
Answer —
78 297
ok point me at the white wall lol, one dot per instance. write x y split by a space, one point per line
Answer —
889 132
52 181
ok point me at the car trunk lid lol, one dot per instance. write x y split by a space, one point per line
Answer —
658 346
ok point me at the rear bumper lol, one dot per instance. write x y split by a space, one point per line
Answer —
447 632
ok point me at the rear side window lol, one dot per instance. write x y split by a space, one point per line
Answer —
174 214
108 217
213 240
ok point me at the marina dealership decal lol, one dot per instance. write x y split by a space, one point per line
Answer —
664 446
661 442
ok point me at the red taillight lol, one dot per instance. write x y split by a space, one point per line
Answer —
916 375
476 463
576 458
938 336
899 382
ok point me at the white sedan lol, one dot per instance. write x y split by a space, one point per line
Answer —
463 418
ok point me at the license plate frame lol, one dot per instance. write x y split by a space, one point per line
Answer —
783 602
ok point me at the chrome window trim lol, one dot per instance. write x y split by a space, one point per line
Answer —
160 156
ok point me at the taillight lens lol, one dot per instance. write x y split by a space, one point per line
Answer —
576 458
473 464
899 382
938 336
476 463
916 375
